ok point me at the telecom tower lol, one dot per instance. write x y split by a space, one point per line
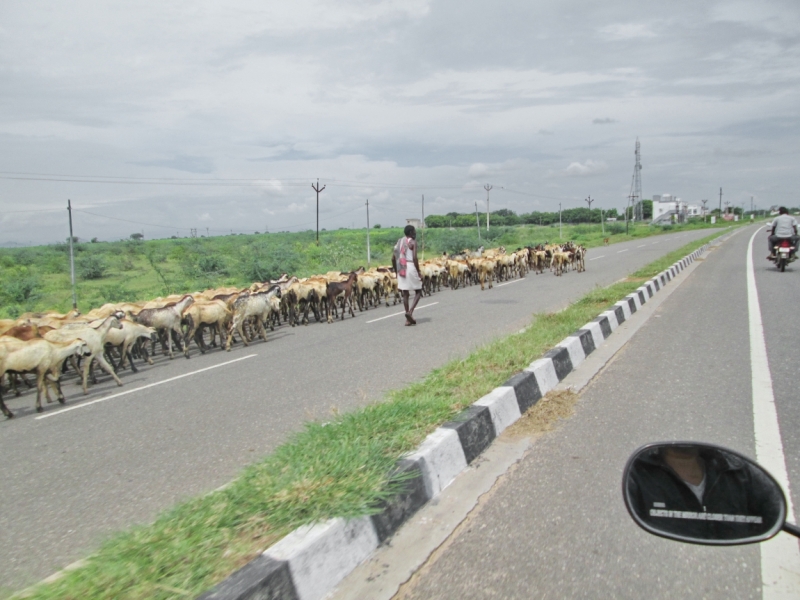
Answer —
636 192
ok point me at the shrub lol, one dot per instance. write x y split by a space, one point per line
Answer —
116 293
91 267
24 257
211 264
264 262
454 242
20 290
342 255
615 229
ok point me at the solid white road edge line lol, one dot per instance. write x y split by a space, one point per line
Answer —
144 387
780 556
401 313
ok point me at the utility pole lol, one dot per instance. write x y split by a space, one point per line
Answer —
559 220
720 203
487 187
478 221
589 201
71 258
368 253
602 221
423 227
318 190
630 199
638 209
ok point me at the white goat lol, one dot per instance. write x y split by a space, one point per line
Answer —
41 356
258 305
125 337
95 338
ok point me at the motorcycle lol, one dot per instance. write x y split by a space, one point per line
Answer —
703 494
782 253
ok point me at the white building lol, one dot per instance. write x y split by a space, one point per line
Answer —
671 209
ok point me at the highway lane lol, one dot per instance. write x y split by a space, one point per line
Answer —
70 478
556 526
779 295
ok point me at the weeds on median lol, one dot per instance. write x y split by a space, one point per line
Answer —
338 469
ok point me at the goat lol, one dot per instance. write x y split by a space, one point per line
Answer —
95 339
42 356
125 337
167 319
258 305
337 288
214 314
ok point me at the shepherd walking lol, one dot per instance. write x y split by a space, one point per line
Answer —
406 265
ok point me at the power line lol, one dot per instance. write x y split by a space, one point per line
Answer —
11 212
239 182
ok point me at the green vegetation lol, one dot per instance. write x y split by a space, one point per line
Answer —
506 217
38 279
338 469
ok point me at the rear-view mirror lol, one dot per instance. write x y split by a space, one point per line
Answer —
702 494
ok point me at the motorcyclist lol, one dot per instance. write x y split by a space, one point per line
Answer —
784 227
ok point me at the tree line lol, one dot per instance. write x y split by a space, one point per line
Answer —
505 216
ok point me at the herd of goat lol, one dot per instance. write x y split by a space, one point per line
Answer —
112 336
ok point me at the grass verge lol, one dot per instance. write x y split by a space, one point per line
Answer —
337 469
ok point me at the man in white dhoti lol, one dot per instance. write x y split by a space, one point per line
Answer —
406 265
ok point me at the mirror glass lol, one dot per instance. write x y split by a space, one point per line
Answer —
702 493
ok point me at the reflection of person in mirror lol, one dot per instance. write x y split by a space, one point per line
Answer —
701 492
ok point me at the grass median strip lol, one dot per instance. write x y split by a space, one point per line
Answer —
337 469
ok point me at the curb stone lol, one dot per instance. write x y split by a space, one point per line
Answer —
309 562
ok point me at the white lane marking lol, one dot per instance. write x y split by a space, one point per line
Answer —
144 387
596 257
621 251
509 282
654 243
780 556
642 246
401 313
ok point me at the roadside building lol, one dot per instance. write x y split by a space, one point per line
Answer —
669 209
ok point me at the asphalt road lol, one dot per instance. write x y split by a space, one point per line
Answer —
72 477
556 526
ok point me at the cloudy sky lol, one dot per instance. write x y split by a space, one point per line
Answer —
166 116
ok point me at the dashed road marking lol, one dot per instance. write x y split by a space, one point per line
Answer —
144 387
596 257
401 313
509 282
621 251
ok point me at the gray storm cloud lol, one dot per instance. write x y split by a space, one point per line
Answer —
186 115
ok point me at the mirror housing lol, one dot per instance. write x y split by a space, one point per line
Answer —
702 494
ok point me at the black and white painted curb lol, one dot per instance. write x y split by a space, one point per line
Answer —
308 563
